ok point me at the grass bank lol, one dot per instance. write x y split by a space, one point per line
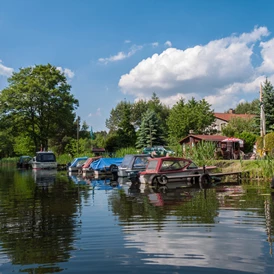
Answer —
257 169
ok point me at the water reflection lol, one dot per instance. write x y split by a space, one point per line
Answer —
221 227
38 219
55 222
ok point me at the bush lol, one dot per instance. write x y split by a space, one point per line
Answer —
269 143
249 140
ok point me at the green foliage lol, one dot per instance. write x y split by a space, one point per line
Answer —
260 142
112 142
123 151
82 147
84 132
269 143
126 131
135 113
150 133
239 125
201 154
23 145
249 140
263 168
64 158
6 144
248 108
194 115
268 99
99 140
37 102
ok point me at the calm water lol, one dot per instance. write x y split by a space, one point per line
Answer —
52 222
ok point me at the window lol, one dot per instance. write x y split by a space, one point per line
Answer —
152 165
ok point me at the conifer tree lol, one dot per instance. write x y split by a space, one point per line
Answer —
150 133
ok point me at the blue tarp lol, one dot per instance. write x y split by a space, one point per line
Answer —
78 160
104 163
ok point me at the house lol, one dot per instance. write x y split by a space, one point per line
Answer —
226 147
222 119
194 139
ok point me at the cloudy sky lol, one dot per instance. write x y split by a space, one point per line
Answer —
114 50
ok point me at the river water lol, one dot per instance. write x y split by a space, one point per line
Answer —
52 222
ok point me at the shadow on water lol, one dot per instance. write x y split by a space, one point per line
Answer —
49 225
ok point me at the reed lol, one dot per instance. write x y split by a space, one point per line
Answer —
201 154
123 151
12 160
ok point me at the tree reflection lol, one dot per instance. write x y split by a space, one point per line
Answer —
156 205
38 219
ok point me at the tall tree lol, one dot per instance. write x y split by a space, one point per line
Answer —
248 107
39 104
150 133
126 130
268 99
116 115
194 115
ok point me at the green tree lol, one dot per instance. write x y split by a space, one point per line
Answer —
150 133
39 104
116 115
137 111
248 107
84 131
238 125
249 140
99 140
184 117
126 131
268 99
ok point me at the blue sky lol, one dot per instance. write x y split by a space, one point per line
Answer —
114 50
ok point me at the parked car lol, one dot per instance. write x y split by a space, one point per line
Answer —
158 151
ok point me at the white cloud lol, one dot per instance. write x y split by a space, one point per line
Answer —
220 71
127 41
168 44
155 44
97 113
68 73
5 71
267 53
121 55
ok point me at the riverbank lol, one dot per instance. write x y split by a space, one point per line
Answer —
253 169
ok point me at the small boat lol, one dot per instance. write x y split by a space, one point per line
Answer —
44 160
77 164
86 168
106 166
175 169
24 162
132 164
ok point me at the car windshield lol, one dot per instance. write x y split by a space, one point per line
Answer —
140 161
152 165
173 164
126 161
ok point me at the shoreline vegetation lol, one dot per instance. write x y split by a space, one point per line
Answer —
260 170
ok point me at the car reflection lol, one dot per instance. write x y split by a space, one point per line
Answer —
44 177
